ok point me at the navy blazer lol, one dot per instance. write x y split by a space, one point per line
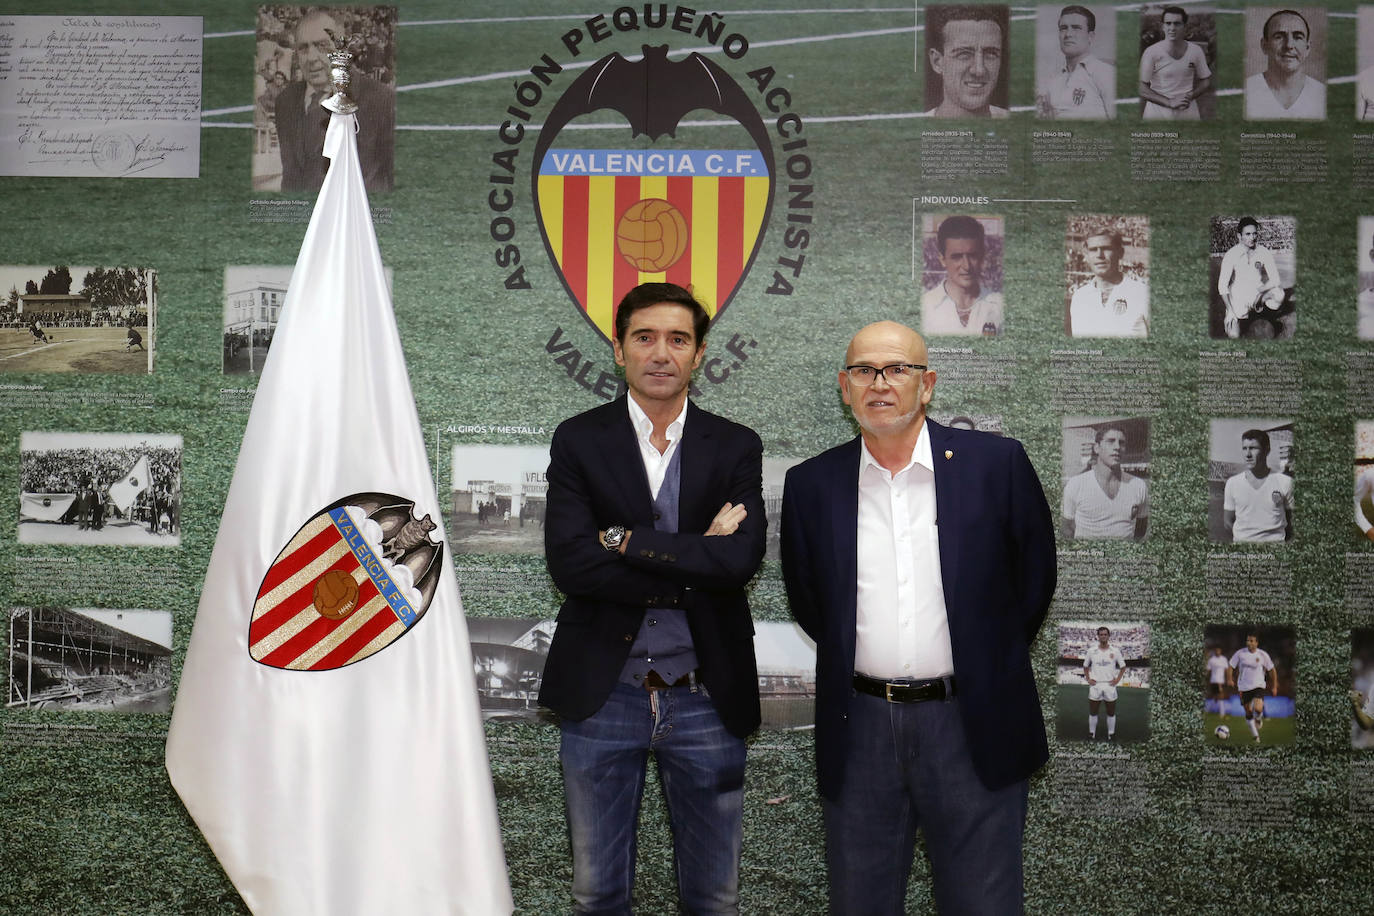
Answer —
596 480
997 563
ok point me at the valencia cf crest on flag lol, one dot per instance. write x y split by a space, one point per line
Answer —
353 580
655 203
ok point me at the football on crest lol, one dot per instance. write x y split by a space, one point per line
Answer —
336 594
652 235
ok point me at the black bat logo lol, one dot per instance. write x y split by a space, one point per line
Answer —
654 94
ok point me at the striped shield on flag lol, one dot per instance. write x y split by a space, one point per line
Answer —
650 206
352 580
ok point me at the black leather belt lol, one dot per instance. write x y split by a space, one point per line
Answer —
936 688
654 681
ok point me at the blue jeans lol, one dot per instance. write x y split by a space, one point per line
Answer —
701 765
907 765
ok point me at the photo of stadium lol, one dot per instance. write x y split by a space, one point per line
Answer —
89 659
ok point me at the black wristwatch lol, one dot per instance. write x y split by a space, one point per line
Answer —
613 537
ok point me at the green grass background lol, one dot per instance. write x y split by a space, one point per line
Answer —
94 827
1071 714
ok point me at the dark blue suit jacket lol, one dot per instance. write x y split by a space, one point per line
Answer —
596 480
997 562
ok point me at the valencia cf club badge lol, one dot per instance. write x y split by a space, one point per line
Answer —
353 580
652 205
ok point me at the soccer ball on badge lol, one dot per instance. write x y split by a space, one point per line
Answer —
652 235
1223 732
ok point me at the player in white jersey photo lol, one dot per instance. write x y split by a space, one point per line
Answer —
1173 72
1075 73
1104 501
1218 677
1253 671
1257 503
1103 666
1112 303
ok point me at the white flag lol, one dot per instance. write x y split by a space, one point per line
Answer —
326 736
125 490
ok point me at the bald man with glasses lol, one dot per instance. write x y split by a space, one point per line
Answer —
921 560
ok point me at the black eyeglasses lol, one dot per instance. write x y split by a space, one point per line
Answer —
895 374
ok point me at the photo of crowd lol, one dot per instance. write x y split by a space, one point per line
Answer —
100 488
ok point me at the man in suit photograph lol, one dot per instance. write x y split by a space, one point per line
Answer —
301 122
921 560
654 525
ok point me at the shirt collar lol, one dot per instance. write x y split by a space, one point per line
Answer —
921 455
644 427
1082 64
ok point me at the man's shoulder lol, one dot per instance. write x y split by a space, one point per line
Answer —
596 417
716 424
825 463
972 441
933 296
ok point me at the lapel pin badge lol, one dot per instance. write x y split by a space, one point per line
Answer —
948 454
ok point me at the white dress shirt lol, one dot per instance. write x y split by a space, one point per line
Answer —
901 627
655 464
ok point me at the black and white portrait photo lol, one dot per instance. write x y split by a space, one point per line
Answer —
1285 63
965 61
1107 276
1106 474
1075 62
292 78
1250 480
961 275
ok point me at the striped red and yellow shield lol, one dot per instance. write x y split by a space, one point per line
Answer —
613 219
330 598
